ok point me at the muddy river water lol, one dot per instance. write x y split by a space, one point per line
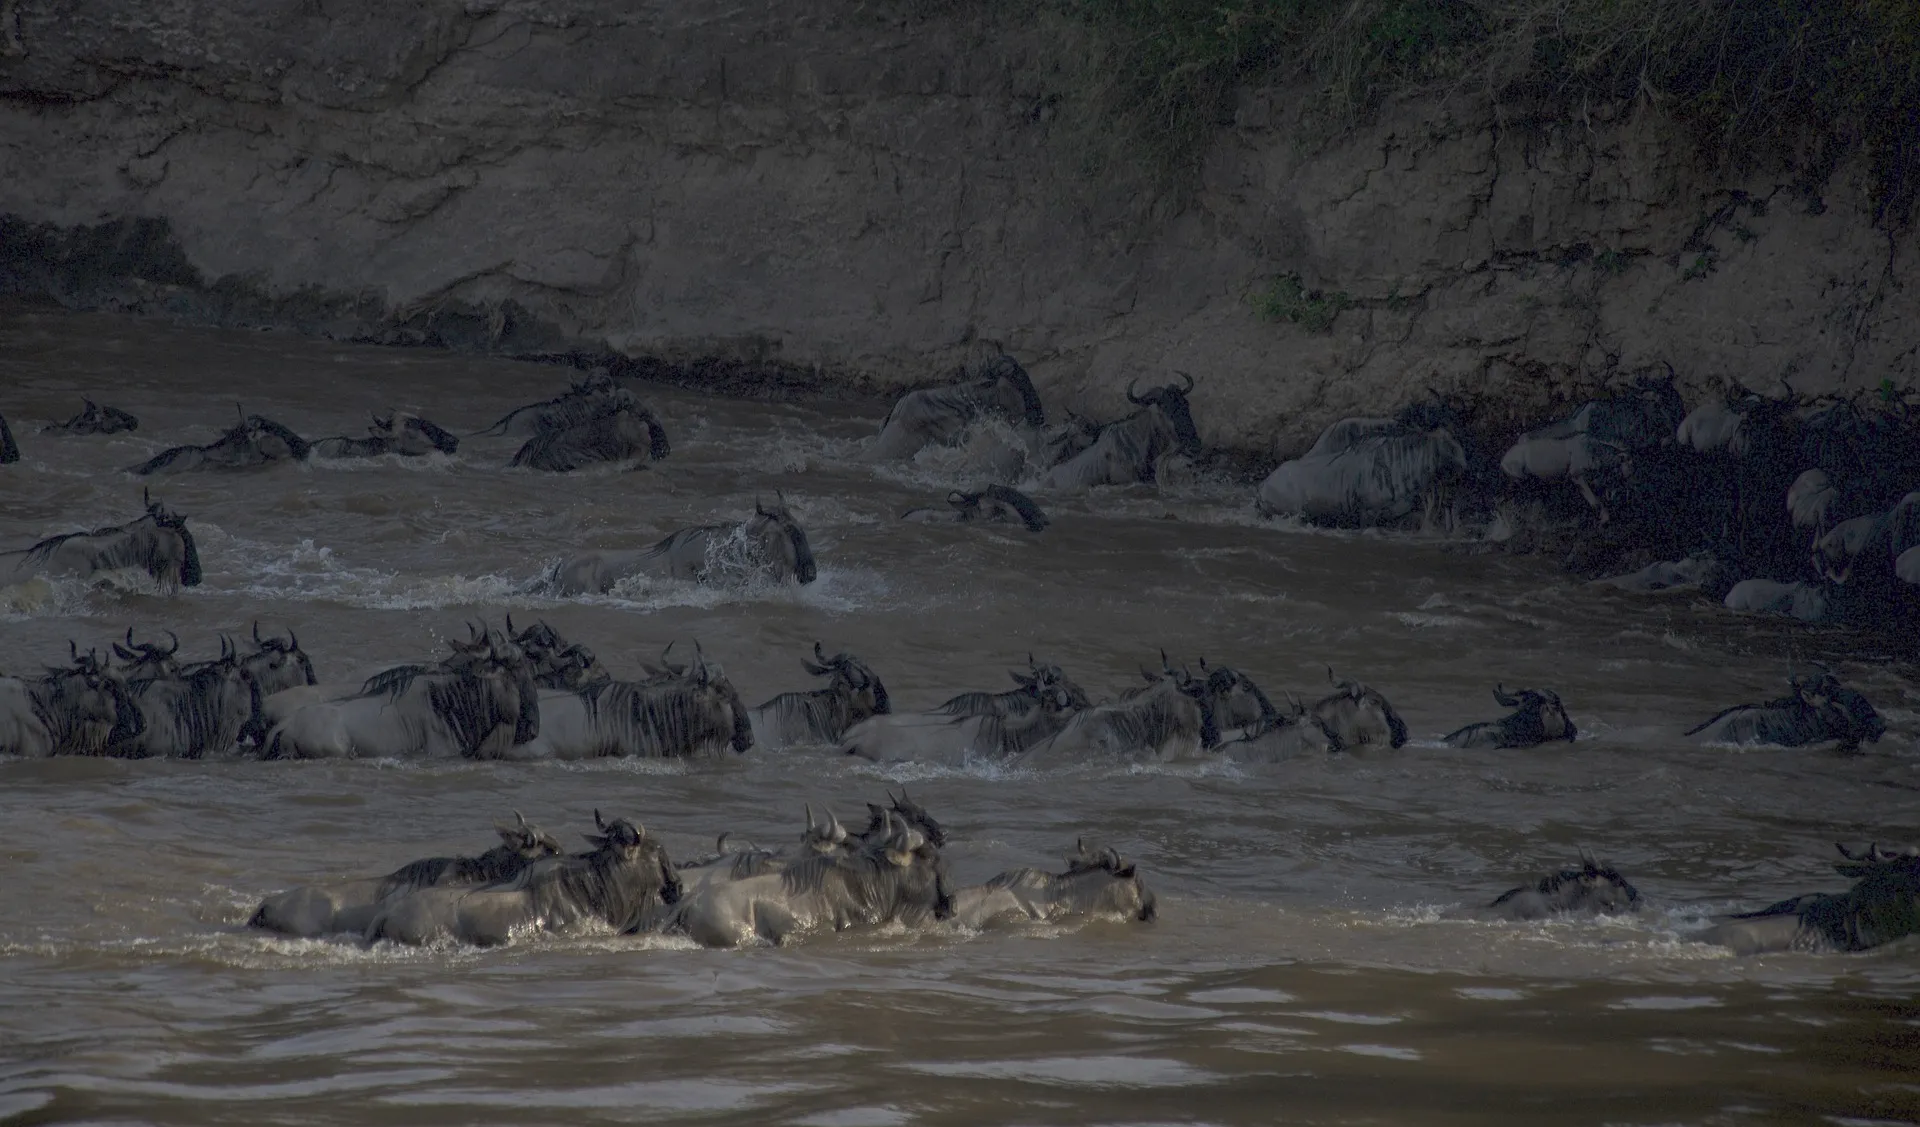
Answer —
1302 968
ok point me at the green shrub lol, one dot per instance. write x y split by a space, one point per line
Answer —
1286 298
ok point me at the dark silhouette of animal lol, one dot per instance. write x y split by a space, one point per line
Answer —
94 419
769 545
9 449
852 694
401 432
941 416
1098 882
993 504
1590 889
587 397
158 544
1882 905
254 442
1821 709
626 432
81 709
1137 448
1538 716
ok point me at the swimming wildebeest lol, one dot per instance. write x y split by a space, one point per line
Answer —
1820 709
853 693
1171 719
627 432
9 449
141 660
158 544
1362 472
696 712
401 432
1883 905
624 884
1808 602
430 714
898 878
585 399
770 545
997 504
255 441
978 725
1591 889
1538 717
94 419
1136 448
1098 882
77 710
1355 715
940 416
314 910
200 710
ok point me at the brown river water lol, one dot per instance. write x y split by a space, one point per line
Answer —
1301 968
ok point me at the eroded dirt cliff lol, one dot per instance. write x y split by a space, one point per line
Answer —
838 193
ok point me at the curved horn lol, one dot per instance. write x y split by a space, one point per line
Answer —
74 650
123 653
256 632
818 653
510 624
599 821
522 819
1187 378
176 643
293 640
1505 699
1131 397
836 832
1331 679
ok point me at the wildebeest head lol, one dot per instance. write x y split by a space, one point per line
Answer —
1122 893
527 839
169 521
1171 401
1235 699
723 699
1541 707
903 809
278 663
782 539
916 860
87 703
139 660
274 440
572 668
1355 713
1005 386
1845 711
852 676
629 845
1873 859
1049 685
823 837
409 434
1591 887
998 503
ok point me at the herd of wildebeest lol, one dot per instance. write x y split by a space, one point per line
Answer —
1806 502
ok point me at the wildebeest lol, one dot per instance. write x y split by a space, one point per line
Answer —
1591 889
1363 472
585 399
989 726
695 713
940 416
253 442
9 449
770 545
1820 709
140 660
433 714
348 906
853 693
1169 720
1692 573
77 710
201 710
1808 602
623 884
1883 905
94 419
900 877
158 544
401 432
627 432
997 504
556 663
1136 448
1538 716
1098 882
1355 715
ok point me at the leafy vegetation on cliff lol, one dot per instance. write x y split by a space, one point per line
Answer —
1803 82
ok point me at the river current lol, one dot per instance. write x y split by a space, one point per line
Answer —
1303 967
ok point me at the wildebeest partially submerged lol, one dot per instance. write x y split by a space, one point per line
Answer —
1883 905
349 906
1538 716
401 432
1588 889
80 709
1098 882
253 442
899 877
769 545
941 416
1138 448
1821 709
690 711
623 884
976 725
1363 472
158 544
1356 715
993 504
624 433
94 419
1171 719
853 693
587 397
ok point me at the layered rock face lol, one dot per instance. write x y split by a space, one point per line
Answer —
842 191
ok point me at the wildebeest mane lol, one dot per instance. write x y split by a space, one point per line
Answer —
461 702
824 712
195 709
649 717
599 884
502 862
392 682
